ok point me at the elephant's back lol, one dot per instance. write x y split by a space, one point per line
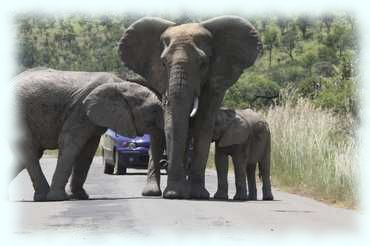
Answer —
46 97
260 134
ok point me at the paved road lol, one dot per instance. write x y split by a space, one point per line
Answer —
116 205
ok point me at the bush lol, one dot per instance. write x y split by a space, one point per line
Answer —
251 90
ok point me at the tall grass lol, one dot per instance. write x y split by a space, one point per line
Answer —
313 151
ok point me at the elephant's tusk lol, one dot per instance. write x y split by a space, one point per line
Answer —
195 107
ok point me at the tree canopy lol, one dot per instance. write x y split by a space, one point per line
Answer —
315 55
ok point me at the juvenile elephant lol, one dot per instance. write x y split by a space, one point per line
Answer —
69 111
190 66
245 136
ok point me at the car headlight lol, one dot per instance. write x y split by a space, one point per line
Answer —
132 145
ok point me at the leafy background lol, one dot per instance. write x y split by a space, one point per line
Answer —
317 55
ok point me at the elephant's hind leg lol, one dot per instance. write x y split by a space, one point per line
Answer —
30 160
240 177
264 166
81 168
251 175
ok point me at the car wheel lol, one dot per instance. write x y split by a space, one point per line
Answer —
102 156
120 169
108 169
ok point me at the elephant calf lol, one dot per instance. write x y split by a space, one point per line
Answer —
69 111
245 136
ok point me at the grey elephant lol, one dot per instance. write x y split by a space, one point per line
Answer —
69 111
190 66
245 136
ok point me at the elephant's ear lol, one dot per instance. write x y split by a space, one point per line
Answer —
140 50
237 132
235 47
107 107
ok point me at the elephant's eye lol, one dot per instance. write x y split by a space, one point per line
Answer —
165 42
163 61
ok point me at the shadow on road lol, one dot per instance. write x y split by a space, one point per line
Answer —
93 199
134 173
155 197
293 211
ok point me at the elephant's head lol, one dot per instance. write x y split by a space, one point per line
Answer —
185 62
128 108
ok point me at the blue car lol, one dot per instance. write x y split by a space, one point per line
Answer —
120 152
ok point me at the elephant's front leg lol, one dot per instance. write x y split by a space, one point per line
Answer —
152 187
202 136
69 148
81 168
221 161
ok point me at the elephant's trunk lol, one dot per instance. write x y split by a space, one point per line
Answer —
177 112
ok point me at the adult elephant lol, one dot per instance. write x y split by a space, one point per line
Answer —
69 111
191 66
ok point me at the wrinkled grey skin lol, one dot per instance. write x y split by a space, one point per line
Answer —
180 63
245 136
69 111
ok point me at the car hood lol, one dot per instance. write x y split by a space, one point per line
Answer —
145 139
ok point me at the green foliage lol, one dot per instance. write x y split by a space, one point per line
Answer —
75 42
252 90
316 55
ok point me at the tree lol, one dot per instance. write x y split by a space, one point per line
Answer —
304 22
271 39
289 40
327 19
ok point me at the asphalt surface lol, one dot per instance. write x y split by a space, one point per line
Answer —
116 206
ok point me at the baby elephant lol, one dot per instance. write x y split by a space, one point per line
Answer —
245 136
69 111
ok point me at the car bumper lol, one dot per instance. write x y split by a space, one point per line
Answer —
133 160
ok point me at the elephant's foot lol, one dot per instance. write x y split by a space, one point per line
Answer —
267 194
57 195
199 192
268 197
221 195
151 189
252 196
176 190
240 196
40 196
79 194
